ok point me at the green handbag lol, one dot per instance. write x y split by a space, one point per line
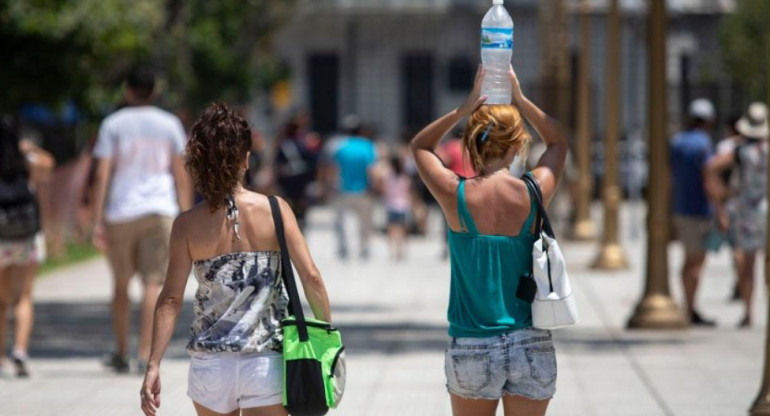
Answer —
313 354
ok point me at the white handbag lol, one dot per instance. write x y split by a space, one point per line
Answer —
554 305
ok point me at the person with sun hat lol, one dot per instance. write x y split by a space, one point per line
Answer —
746 222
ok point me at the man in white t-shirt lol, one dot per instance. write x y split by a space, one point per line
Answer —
141 185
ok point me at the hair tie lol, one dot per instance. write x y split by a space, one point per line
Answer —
486 133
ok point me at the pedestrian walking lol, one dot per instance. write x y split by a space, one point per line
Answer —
354 158
141 186
494 353
398 203
23 168
693 214
230 243
730 180
296 162
746 223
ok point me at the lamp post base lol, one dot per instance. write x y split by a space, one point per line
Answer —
583 230
657 312
761 406
611 257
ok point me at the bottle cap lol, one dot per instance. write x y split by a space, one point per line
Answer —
497 1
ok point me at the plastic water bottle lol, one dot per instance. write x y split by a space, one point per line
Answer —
496 51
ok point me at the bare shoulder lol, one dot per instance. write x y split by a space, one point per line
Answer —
254 203
185 222
516 191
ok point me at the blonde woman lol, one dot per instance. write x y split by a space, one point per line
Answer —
494 354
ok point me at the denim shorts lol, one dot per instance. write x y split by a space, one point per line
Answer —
519 363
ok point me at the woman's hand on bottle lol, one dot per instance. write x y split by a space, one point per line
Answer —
150 392
475 99
517 96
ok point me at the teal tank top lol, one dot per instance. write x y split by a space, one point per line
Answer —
485 275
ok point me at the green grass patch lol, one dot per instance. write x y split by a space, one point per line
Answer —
73 253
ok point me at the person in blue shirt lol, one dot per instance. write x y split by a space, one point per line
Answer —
690 151
354 158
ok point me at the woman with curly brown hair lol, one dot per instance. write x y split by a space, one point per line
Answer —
494 353
230 242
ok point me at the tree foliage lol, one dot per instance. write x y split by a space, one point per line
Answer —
744 38
80 50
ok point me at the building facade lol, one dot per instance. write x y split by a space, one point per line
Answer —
400 63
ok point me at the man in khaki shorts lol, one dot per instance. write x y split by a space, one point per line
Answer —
141 185
690 150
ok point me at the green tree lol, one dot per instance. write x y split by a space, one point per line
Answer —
56 50
744 42
80 50
220 50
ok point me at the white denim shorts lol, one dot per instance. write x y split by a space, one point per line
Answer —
227 381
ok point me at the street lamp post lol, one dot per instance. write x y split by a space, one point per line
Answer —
584 227
656 309
611 254
761 406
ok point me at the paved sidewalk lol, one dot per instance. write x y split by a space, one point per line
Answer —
393 321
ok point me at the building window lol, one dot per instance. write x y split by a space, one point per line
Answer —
460 74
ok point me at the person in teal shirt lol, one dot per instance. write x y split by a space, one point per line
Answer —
354 157
494 353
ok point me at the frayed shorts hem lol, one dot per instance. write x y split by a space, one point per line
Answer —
528 397
469 397
503 394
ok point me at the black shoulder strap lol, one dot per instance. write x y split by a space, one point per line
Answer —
295 307
542 223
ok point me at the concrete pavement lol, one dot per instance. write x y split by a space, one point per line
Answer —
392 317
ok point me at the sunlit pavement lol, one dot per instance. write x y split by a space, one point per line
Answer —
392 317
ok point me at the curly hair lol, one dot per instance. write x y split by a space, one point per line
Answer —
491 132
216 151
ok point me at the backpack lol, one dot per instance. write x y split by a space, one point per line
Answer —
19 213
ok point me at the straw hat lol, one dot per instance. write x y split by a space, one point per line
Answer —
754 124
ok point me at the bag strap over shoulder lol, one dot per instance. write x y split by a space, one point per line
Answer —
542 223
295 306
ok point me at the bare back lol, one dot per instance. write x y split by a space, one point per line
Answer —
499 205
212 234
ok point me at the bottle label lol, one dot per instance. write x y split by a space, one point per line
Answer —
496 38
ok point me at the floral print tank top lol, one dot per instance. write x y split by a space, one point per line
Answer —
239 304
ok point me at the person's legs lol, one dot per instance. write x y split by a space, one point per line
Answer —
121 253
24 309
472 407
737 257
152 247
746 284
339 225
121 315
364 207
400 240
202 410
518 405
6 294
693 264
24 316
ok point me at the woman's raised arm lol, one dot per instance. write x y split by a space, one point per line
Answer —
551 164
440 180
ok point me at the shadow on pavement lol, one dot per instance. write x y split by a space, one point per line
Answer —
84 329
71 330
600 341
